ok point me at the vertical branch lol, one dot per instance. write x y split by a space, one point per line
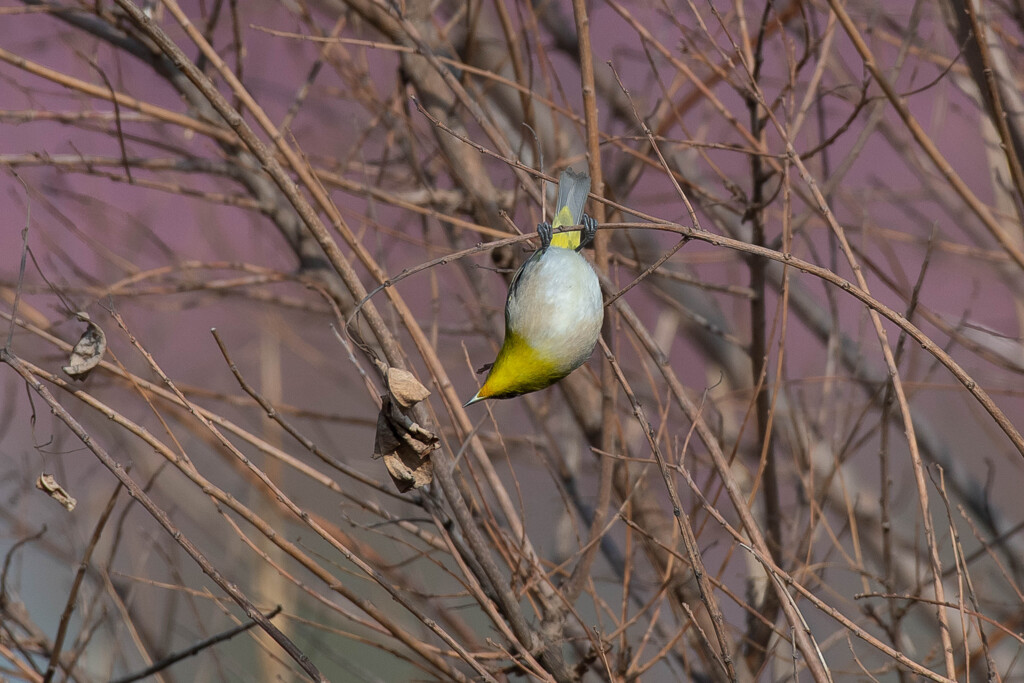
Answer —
974 31
759 627
608 418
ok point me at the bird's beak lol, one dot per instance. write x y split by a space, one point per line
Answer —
475 399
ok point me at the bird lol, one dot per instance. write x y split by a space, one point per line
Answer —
554 309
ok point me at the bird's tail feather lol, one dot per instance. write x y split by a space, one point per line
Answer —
573 188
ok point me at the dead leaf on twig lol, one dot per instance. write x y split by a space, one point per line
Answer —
49 485
89 350
404 445
405 388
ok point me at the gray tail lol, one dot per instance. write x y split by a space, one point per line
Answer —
573 188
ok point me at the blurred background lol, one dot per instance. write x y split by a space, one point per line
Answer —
795 455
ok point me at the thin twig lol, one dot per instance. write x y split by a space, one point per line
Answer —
76 584
172 659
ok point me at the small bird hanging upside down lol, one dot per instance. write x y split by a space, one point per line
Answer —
554 310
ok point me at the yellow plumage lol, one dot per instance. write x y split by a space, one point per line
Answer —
565 240
554 309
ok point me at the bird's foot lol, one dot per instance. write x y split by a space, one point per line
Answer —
589 231
545 232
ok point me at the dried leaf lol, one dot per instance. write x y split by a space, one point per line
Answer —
404 446
49 485
405 388
89 350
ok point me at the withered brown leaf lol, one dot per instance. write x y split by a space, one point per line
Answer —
89 350
49 485
404 445
405 388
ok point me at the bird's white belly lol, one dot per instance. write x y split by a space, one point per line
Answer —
557 307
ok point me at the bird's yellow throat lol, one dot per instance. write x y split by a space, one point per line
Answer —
518 369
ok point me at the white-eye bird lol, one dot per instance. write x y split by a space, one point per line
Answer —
554 310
